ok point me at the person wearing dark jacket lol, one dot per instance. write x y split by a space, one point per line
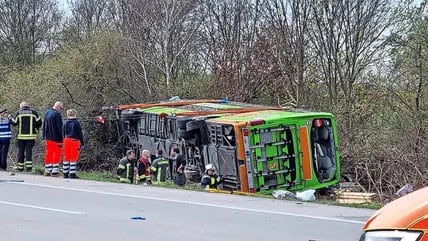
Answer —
180 164
159 168
5 136
28 122
52 134
73 142
125 170
210 178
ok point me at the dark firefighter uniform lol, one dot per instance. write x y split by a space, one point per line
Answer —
210 178
160 169
73 140
125 170
28 122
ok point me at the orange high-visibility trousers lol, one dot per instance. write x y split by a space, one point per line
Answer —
71 155
52 157
71 149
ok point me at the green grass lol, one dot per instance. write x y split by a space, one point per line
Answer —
111 177
98 176
372 205
87 175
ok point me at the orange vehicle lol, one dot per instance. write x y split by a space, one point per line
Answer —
405 219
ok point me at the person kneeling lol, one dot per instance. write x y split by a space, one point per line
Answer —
160 168
125 170
210 178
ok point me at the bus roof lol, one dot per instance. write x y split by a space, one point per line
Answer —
162 109
201 109
266 115
217 106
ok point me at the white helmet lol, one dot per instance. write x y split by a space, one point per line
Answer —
209 167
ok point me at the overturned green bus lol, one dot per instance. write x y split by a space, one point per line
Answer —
252 147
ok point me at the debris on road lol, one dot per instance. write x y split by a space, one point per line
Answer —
355 197
404 190
138 218
283 194
308 195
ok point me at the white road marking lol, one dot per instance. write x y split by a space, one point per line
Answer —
41 208
197 203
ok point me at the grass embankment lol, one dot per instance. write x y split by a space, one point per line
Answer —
110 177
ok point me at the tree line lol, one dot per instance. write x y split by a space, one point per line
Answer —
363 60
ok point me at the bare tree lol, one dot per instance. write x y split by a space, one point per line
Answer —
287 27
158 33
238 51
89 17
27 29
346 36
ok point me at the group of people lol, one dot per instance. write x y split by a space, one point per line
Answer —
131 170
63 140
143 170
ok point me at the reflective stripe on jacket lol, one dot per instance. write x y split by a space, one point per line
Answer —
210 181
28 122
160 169
125 170
5 130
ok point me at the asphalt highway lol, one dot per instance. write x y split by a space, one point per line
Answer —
39 208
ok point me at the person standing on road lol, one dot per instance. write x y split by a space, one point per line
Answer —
125 170
73 142
52 134
160 168
28 122
5 136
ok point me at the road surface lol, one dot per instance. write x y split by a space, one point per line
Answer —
48 208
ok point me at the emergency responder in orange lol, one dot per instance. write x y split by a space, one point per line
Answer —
52 133
143 166
210 179
28 122
73 142
125 170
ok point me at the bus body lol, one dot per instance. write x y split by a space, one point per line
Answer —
253 148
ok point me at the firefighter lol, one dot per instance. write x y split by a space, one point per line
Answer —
52 134
160 168
73 142
210 178
125 170
5 136
28 122
143 166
